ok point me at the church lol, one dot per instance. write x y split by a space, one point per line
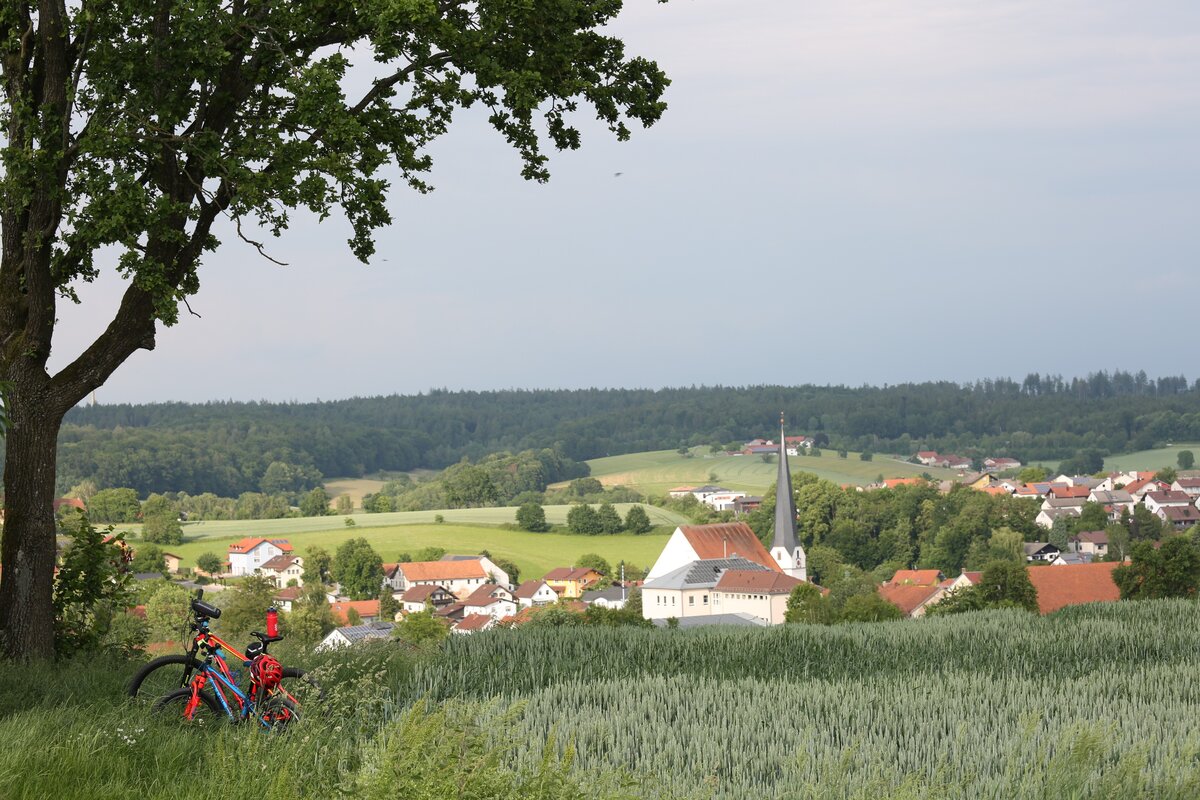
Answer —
722 571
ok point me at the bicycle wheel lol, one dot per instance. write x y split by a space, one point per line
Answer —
301 688
174 706
278 711
161 676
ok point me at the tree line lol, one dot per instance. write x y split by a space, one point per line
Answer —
227 448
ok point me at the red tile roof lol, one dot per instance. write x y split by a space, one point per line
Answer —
728 539
908 597
528 589
561 574
250 542
474 622
290 593
1060 490
1073 584
365 608
892 483
973 577
753 580
483 595
278 562
916 577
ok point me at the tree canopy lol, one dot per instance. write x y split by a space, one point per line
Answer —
151 131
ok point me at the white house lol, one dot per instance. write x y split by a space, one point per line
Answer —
1093 543
416 598
250 553
535 593
1156 501
460 575
491 599
613 597
1191 486
724 500
761 593
283 570
353 634
687 590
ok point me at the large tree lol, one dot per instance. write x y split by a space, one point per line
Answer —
135 128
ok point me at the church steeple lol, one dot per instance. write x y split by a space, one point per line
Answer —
785 547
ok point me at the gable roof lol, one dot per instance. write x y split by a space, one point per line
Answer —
1073 584
365 608
372 630
559 574
474 622
486 595
442 570
528 589
1059 490
756 580
1033 548
726 540
917 577
1178 514
611 593
908 597
973 576
279 562
1172 497
1092 537
289 594
419 594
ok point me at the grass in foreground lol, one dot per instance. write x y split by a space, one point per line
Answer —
1093 703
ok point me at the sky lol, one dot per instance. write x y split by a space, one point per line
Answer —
840 192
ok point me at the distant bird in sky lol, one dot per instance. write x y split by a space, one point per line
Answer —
618 174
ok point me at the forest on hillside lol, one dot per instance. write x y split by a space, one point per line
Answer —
227 447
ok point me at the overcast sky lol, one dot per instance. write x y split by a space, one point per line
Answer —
840 191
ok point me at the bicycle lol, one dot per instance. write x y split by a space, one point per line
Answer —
276 696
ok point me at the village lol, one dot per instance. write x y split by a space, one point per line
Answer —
722 574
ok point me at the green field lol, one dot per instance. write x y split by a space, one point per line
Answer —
659 471
953 708
1142 460
534 553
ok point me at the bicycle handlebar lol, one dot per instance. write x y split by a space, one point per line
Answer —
203 609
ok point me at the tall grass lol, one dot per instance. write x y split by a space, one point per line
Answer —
1093 702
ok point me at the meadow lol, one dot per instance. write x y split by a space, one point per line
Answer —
657 472
1092 702
534 553
1141 460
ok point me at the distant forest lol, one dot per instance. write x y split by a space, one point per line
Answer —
226 447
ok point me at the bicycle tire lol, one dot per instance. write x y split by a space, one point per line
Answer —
302 686
174 703
162 682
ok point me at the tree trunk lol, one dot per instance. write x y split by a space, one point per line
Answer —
28 553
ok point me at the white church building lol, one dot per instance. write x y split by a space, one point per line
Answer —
722 569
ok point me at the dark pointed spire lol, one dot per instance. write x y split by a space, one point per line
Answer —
785 503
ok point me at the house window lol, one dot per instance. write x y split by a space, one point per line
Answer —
692 600
672 599
705 600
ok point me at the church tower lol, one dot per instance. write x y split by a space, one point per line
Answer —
785 548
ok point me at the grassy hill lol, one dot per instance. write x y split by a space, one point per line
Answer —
464 531
658 471
1142 460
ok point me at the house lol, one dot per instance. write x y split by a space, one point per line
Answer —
913 600
1074 584
955 462
1001 464
1060 491
892 483
248 554
928 457
1180 518
1191 486
535 593
284 598
1143 486
966 578
460 578
758 592
699 542
744 505
917 577
1051 502
1094 543
570 582
283 569
1155 501
1041 551
473 623
353 634
392 578
687 590
1046 517
367 610
1114 501
613 597
1072 558
494 573
451 613
173 562
416 598
491 600
724 500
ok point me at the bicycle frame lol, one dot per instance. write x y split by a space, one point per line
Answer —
221 676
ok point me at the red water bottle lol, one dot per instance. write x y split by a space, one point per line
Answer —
272 621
